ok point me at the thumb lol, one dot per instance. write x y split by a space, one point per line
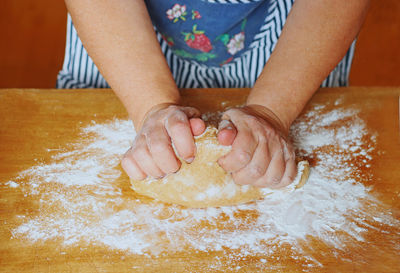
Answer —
226 132
197 125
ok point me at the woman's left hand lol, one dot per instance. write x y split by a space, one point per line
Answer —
261 153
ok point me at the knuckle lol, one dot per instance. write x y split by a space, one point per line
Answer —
252 120
243 157
269 182
158 146
270 133
274 182
255 171
262 138
179 114
171 109
138 152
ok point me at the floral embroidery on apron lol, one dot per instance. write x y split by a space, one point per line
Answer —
208 33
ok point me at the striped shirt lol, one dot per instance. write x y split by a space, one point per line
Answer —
79 71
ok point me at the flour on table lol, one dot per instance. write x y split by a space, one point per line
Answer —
81 187
12 184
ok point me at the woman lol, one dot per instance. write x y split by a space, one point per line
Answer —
283 50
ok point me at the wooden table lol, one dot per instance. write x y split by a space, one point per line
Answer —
35 123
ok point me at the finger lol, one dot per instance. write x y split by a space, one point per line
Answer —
257 166
178 128
197 125
160 148
242 152
290 173
226 132
291 166
131 168
275 170
144 159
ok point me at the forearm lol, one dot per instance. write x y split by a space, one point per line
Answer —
120 39
316 36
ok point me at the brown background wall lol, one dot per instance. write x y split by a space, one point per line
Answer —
33 37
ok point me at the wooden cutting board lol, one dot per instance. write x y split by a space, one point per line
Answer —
37 125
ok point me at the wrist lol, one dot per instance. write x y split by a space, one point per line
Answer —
140 99
139 122
139 113
286 103
268 115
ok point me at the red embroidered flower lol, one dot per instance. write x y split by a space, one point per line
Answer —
195 14
197 40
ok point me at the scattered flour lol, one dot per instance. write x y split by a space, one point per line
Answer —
12 184
81 198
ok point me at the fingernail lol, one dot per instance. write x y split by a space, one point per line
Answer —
189 160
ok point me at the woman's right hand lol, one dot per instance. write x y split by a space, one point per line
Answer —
152 153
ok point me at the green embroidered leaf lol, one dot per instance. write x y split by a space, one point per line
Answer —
183 53
203 57
243 24
195 31
175 20
194 14
224 38
183 18
186 34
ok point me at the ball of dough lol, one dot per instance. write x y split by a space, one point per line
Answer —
203 183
